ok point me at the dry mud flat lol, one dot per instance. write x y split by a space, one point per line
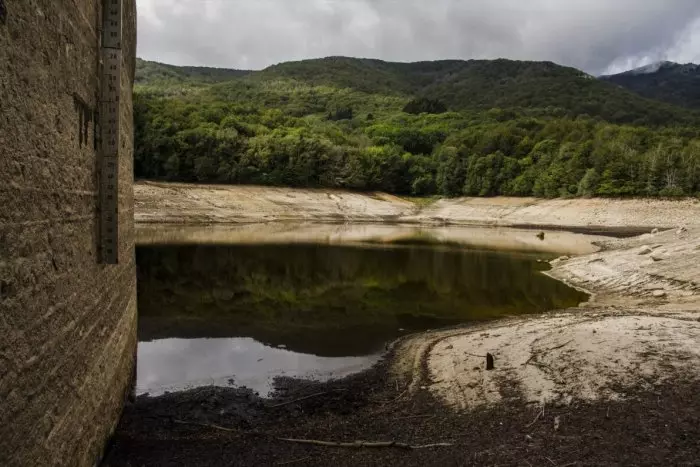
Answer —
217 204
641 329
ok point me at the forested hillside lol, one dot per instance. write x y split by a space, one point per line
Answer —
451 127
665 81
154 73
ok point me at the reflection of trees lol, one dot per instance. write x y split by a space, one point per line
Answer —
314 288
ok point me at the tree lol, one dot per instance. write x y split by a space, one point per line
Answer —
451 172
425 105
341 113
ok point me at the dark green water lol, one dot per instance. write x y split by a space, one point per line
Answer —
332 301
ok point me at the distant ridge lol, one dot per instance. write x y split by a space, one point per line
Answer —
460 84
673 83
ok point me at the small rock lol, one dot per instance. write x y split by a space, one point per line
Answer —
597 260
450 347
540 235
659 293
655 231
558 260
681 230
657 258
645 250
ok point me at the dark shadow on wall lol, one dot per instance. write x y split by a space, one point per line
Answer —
85 117
3 12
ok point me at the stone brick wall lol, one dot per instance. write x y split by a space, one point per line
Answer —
67 322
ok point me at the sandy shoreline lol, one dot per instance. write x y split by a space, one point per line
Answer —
216 204
640 329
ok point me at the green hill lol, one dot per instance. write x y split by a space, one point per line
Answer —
447 127
153 73
666 81
485 84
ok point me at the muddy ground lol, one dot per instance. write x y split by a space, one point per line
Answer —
659 425
614 382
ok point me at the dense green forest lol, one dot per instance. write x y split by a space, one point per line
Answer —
480 128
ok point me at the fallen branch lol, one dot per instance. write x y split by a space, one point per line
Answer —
354 444
363 444
297 400
207 425
397 398
294 461
474 355
560 346
537 354
415 416
543 365
539 414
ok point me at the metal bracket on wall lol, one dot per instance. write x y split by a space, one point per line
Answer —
109 124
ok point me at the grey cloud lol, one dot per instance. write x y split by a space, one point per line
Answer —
594 35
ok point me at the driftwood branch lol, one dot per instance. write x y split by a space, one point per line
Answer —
364 444
207 425
294 461
416 416
560 346
474 355
315 442
536 354
539 414
298 400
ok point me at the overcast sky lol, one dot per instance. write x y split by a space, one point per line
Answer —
598 36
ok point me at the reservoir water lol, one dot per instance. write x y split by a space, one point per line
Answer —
242 315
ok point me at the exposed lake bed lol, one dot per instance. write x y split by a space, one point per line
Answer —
568 384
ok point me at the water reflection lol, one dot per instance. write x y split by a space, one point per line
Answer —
176 364
323 303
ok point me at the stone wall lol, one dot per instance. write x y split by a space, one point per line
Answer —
67 322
